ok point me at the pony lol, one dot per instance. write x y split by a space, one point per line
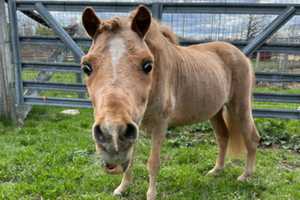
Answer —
138 77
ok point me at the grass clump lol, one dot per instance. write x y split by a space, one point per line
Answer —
280 133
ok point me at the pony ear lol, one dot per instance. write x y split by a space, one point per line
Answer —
90 21
141 21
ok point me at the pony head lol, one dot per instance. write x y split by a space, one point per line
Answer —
119 68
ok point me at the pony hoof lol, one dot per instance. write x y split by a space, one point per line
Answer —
214 172
244 177
151 195
121 189
117 192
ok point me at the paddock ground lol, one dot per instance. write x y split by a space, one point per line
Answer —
53 157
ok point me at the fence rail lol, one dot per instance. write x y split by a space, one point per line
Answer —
67 102
214 8
54 67
272 47
63 67
262 97
277 77
284 12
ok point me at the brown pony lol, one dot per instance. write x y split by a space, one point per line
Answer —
139 77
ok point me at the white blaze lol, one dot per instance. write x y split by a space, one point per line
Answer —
117 49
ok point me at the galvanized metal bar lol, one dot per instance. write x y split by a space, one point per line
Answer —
54 67
271 47
278 47
283 114
72 6
45 40
169 7
277 77
63 67
63 35
15 46
35 17
276 24
279 98
227 8
65 102
157 9
54 86
261 97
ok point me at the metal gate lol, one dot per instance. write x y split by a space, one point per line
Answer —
40 12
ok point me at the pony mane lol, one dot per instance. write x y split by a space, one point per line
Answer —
168 33
159 33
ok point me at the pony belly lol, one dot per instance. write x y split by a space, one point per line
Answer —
196 115
197 108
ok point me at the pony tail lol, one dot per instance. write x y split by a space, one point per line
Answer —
236 147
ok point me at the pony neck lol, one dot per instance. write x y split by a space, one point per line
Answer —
163 45
168 59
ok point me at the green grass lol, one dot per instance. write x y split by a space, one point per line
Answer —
53 157
277 90
272 105
57 77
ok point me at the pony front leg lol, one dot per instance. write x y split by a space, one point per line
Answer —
154 162
126 180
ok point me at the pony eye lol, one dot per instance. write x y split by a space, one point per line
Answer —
87 69
147 66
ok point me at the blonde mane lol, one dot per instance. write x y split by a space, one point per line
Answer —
157 30
169 34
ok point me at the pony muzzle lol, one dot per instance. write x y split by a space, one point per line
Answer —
115 142
113 133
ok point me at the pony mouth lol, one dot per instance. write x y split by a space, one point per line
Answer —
115 168
111 166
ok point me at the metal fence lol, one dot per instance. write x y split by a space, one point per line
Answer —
40 11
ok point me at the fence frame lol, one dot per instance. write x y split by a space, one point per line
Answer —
7 98
284 11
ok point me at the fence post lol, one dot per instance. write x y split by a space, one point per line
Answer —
7 88
157 9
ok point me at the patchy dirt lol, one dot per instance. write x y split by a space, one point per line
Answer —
290 166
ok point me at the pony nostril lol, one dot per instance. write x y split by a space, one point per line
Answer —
98 134
131 132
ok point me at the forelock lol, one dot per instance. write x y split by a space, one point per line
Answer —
111 25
